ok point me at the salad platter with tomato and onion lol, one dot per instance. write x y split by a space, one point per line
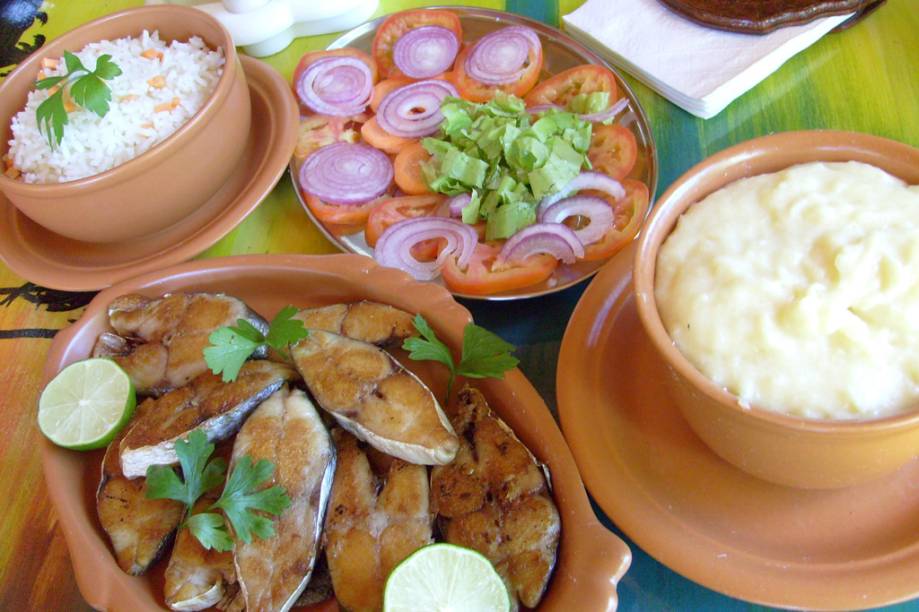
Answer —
471 147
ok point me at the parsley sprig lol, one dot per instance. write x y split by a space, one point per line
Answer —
239 501
87 89
485 354
231 346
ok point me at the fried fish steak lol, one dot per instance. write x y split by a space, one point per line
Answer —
140 529
368 533
160 342
371 395
197 578
371 322
288 431
494 498
206 403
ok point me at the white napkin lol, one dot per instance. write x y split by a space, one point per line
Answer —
697 68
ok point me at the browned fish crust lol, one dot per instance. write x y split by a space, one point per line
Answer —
371 395
160 342
140 529
205 403
368 533
371 322
494 498
196 574
288 431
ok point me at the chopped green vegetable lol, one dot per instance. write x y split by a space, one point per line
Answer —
88 90
508 160
241 494
200 475
231 346
588 103
485 354
211 530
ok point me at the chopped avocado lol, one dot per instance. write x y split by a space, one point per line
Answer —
507 159
585 104
509 219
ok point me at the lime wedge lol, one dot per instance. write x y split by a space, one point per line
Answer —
86 404
444 577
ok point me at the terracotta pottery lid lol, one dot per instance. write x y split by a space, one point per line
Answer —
763 16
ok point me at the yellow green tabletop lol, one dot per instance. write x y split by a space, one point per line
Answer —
864 79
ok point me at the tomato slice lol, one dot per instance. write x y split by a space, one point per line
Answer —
479 279
613 150
311 56
562 87
317 131
407 167
630 212
398 24
379 138
340 214
476 91
393 210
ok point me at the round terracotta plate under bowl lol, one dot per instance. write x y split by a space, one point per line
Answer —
591 559
697 514
54 261
560 52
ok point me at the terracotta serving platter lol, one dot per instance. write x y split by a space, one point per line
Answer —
766 16
695 513
591 559
51 260
560 52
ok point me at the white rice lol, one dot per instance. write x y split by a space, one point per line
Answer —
94 144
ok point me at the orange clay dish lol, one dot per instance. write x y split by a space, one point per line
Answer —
461 165
371 304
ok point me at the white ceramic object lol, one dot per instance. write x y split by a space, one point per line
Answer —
264 27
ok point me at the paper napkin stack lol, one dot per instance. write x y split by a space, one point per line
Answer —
697 68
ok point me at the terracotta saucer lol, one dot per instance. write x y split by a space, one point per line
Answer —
54 261
697 514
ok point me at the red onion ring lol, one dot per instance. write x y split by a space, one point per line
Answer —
599 117
596 210
426 51
457 203
413 111
609 113
501 57
345 173
596 181
541 108
554 239
394 247
337 86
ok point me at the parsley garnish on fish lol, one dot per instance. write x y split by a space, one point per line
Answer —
485 354
241 494
87 89
231 346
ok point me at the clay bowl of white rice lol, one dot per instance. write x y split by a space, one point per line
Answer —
174 131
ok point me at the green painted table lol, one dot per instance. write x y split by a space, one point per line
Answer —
864 79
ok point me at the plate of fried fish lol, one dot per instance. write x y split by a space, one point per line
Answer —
376 456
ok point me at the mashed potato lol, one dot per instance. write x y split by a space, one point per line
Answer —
799 291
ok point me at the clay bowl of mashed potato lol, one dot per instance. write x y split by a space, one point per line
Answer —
779 281
172 131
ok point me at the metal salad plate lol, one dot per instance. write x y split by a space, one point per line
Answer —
560 52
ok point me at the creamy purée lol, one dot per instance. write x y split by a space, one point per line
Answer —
799 291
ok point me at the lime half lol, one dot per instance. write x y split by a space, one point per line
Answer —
442 578
86 404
